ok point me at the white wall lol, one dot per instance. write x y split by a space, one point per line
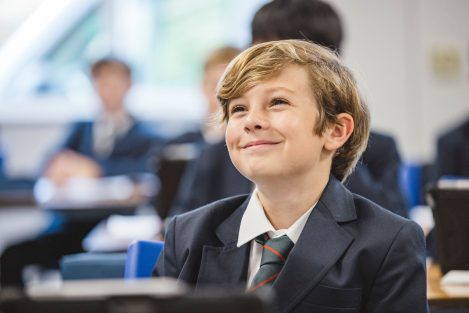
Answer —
445 24
28 144
390 45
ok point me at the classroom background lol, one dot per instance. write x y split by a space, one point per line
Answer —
410 57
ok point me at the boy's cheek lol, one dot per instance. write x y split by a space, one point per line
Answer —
231 146
231 137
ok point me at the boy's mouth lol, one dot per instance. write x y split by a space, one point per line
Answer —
257 143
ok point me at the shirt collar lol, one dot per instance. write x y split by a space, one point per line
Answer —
254 223
117 123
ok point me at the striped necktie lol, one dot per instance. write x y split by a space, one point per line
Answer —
274 254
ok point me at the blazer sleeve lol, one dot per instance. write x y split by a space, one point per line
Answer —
167 262
400 285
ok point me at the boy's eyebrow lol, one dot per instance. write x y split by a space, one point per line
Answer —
268 90
277 88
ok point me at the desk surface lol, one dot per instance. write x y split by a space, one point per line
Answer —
444 295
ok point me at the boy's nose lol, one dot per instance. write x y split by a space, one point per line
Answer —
256 120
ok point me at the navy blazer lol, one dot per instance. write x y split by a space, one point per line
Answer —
352 256
376 176
130 154
453 152
209 177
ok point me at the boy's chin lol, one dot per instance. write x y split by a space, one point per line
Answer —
262 176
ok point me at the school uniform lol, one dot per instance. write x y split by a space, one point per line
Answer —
125 149
120 146
210 177
351 255
453 152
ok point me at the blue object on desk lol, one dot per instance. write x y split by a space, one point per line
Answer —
141 258
93 266
411 182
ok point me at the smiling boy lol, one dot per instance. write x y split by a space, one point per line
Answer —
295 126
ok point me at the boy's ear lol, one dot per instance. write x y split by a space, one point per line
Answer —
337 134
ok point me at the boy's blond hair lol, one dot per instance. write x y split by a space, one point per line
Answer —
333 86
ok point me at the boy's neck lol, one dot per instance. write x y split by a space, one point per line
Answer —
286 201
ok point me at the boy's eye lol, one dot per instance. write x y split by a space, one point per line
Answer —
278 101
237 108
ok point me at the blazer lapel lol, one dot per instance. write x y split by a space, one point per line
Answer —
228 264
125 142
321 244
87 139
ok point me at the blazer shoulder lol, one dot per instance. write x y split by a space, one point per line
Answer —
214 212
454 135
381 139
80 126
82 123
142 129
377 215
193 136
379 230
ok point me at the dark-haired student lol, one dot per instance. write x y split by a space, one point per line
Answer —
196 183
453 151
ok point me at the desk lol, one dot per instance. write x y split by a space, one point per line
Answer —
21 223
95 199
442 297
155 295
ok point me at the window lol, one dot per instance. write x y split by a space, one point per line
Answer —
164 41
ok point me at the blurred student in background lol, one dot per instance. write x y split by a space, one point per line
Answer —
453 152
195 188
376 175
213 68
114 143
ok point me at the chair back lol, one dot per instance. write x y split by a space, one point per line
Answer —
411 183
92 266
141 258
449 200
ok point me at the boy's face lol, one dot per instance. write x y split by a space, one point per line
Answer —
270 129
112 86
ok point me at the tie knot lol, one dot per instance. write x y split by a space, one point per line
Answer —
275 250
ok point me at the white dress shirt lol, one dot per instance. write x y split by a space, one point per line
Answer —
107 128
254 223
